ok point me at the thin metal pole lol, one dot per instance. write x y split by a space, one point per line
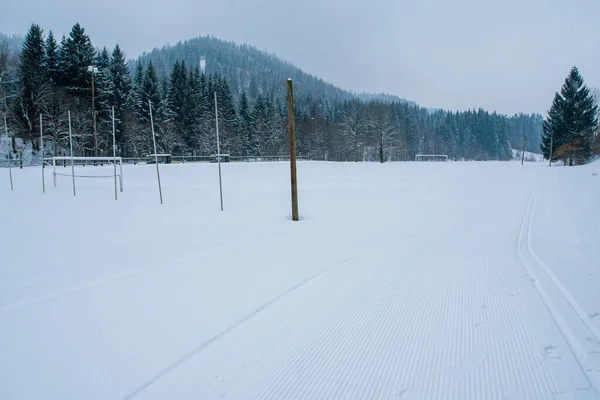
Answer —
114 150
292 126
9 156
42 151
71 145
94 114
218 152
551 140
524 147
155 152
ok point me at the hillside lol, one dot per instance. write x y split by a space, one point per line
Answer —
246 67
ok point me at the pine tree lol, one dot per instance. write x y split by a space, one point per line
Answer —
102 95
571 121
120 89
227 117
138 84
51 58
31 76
150 91
193 109
179 102
248 139
76 54
204 100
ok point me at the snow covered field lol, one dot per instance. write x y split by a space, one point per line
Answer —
401 281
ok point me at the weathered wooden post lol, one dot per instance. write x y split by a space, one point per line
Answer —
292 126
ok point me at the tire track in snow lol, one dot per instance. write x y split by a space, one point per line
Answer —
576 348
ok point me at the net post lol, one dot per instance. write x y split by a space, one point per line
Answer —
42 151
114 151
218 152
9 156
71 145
54 171
121 175
155 152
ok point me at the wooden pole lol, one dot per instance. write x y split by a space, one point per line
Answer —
292 126
524 147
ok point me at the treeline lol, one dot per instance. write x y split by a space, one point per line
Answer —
52 79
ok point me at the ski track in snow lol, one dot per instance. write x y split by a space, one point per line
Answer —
378 344
448 218
546 282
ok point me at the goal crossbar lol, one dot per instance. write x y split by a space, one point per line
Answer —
116 160
67 158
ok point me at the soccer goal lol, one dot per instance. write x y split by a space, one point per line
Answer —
432 157
83 161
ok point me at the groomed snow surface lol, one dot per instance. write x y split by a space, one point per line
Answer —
401 281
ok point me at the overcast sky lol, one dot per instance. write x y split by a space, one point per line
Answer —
504 55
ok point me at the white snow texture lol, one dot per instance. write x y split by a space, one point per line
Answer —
458 280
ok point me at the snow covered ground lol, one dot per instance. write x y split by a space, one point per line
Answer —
401 281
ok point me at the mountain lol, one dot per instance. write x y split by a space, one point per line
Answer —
247 68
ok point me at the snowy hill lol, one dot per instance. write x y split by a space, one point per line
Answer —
249 68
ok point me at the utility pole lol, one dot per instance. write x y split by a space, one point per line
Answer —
292 126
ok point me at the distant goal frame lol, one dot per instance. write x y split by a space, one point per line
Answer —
431 158
109 160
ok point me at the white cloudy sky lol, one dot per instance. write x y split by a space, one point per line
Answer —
509 56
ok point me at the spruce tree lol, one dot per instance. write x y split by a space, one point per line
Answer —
150 91
177 102
120 89
206 118
138 83
51 58
76 54
571 121
31 76
248 140
102 93
227 117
